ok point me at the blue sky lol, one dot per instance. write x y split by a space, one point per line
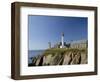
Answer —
44 29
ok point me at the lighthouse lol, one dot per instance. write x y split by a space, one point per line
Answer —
49 43
62 40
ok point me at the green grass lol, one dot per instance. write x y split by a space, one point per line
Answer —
62 50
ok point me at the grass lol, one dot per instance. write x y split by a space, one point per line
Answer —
62 50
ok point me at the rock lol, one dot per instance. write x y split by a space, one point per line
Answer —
84 58
67 58
39 61
34 59
56 59
76 59
63 58
47 59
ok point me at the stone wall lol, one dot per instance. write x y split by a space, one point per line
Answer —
73 44
79 44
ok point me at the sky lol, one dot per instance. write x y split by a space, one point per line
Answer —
44 29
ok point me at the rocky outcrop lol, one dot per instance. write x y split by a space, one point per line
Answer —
68 57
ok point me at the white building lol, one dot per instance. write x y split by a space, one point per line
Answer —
79 44
62 41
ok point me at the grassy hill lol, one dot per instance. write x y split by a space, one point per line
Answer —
61 56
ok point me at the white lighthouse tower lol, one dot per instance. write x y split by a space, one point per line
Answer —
62 40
